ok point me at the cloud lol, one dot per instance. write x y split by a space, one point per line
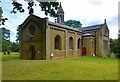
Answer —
113 21
13 35
96 21
96 2
113 31
113 26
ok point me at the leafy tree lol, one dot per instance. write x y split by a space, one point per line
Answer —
14 47
5 40
73 23
2 19
6 45
5 34
17 35
48 7
115 46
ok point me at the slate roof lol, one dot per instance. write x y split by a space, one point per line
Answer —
82 29
93 27
63 26
49 23
87 34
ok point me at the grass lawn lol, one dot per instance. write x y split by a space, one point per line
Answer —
82 68
9 57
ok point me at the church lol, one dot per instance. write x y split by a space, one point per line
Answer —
39 38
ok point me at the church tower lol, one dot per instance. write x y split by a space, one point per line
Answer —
60 18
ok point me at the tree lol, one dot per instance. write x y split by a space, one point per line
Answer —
17 35
6 45
73 23
5 34
5 40
14 47
49 7
115 46
2 20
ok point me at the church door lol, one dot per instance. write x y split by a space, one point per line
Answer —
84 51
32 52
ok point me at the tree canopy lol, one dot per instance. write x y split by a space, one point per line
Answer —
73 23
5 34
115 46
7 45
5 39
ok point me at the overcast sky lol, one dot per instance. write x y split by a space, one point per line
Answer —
88 12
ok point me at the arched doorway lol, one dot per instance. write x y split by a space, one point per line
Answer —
32 52
84 51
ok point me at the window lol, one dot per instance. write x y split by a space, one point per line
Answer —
70 43
57 42
78 43
32 29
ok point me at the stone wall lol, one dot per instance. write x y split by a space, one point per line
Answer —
52 32
88 43
37 41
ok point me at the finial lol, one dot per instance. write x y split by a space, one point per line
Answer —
31 11
105 21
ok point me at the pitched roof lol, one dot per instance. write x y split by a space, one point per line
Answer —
33 17
93 27
63 26
37 19
87 34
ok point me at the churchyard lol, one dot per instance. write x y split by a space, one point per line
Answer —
80 68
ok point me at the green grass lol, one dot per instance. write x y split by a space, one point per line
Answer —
83 68
8 57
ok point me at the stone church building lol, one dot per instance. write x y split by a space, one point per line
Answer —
39 38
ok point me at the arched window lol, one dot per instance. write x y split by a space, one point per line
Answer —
57 42
70 43
78 43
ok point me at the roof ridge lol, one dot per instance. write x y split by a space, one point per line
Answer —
63 26
93 25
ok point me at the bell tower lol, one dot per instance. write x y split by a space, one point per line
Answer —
60 18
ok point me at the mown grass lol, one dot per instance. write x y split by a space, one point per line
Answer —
82 68
7 57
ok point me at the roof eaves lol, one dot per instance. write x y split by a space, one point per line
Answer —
63 26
